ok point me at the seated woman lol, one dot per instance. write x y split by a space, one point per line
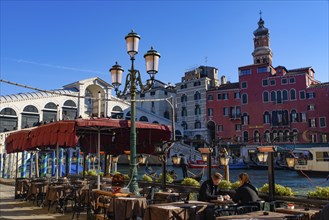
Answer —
246 192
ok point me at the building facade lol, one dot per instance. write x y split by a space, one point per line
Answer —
191 102
270 104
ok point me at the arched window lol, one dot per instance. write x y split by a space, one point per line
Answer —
265 96
256 136
267 118
273 96
286 136
267 136
292 94
197 96
197 124
244 98
183 98
8 120
30 116
274 135
280 136
285 95
245 136
293 116
143 118
128 115
245 119
69 110
117 112
155 122
184 111
50 112
295 135
210 97
197 110
278 96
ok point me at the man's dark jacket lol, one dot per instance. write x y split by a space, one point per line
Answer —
208 191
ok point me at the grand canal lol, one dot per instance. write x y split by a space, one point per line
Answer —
299 184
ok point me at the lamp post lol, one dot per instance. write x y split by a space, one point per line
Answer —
133 80
267 153
206 157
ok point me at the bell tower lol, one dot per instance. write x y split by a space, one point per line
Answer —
262 51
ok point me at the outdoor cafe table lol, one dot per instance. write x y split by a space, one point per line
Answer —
308 214
129 207
165 197
175 210
254 216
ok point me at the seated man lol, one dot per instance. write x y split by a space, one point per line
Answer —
209 189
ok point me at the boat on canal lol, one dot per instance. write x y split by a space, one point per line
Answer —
312 161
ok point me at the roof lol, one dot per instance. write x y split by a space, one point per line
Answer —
320 85
300 70
31 95
226 86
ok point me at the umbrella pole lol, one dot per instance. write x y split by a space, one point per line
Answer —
37 164
57 156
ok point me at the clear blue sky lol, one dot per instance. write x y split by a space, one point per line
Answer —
48 44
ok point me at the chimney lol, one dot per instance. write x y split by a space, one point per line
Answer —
223 80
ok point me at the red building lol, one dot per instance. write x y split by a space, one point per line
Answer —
269 104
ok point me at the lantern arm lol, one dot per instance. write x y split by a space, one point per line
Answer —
127 87
139 82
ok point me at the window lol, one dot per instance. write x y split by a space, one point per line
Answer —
197 110
280 118
8 120
302 94
278 96
219 96
294 116
280 136
303 117
197 96
284 95
238 127
310 107
273 96
225 111
183 98
152 104
267 136
244 85
245 119
166 115
292 94
284 81
295 135
183 86
265 96
324 138
291 80
210 98
225 96
286 136
142 95
184 111
322 156
244 98
184 125
256 136
143 118
152 93
262 69
197 125
198 83
265 82
238 111
245 136
236 95
313 139
312 123
267 118
245 72
220 128
322 122
272 82
165 92
210 112
310 95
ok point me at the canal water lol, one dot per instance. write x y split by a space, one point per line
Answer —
299 184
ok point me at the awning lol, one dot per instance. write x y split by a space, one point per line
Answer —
83 133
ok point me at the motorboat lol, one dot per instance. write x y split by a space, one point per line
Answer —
312 161
200 164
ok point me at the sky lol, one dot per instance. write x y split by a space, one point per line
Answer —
49 44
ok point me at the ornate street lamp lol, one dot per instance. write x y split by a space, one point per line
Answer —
291 160
224 160
175 159
206 157
133 80
262 156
